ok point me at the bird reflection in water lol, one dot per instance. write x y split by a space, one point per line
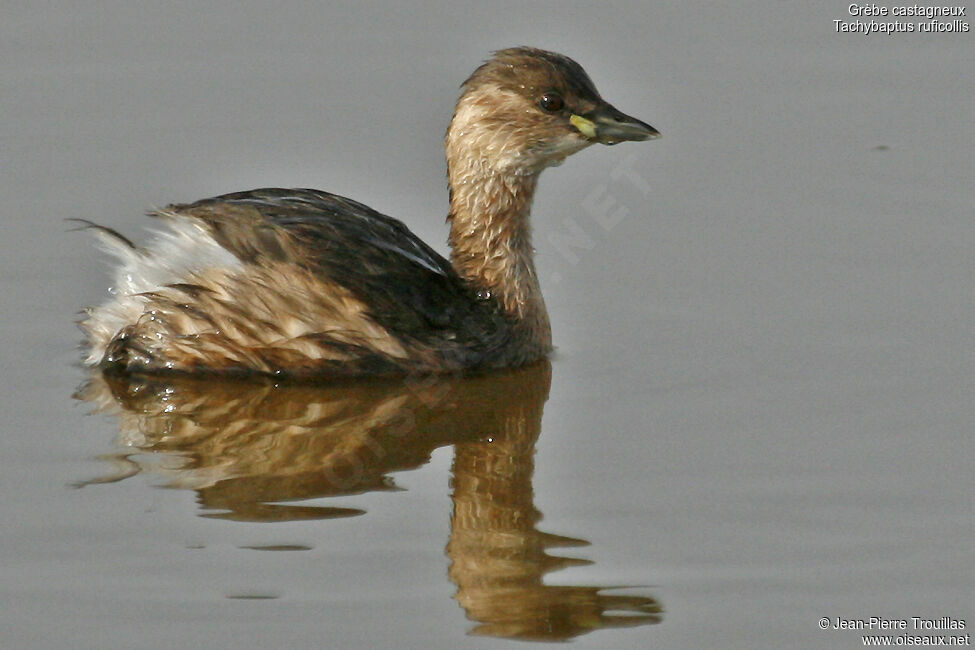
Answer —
248 449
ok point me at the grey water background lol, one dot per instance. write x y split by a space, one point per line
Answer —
762 404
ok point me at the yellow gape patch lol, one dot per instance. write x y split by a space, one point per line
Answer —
586 127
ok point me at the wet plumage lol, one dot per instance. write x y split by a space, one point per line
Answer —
305 283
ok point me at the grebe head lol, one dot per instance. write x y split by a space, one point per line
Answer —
526 109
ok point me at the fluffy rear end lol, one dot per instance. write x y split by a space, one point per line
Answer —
186 303
175 255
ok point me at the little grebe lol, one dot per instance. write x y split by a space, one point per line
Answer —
302 282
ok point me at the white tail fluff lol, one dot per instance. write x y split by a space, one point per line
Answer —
173 255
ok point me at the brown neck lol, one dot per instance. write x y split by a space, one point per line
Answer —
490 238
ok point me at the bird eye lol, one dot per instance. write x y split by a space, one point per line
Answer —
551 102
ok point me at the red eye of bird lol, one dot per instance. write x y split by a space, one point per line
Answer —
551 102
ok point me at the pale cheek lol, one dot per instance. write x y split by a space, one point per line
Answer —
554 152
569 144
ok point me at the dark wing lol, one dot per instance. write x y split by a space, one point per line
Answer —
410 289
